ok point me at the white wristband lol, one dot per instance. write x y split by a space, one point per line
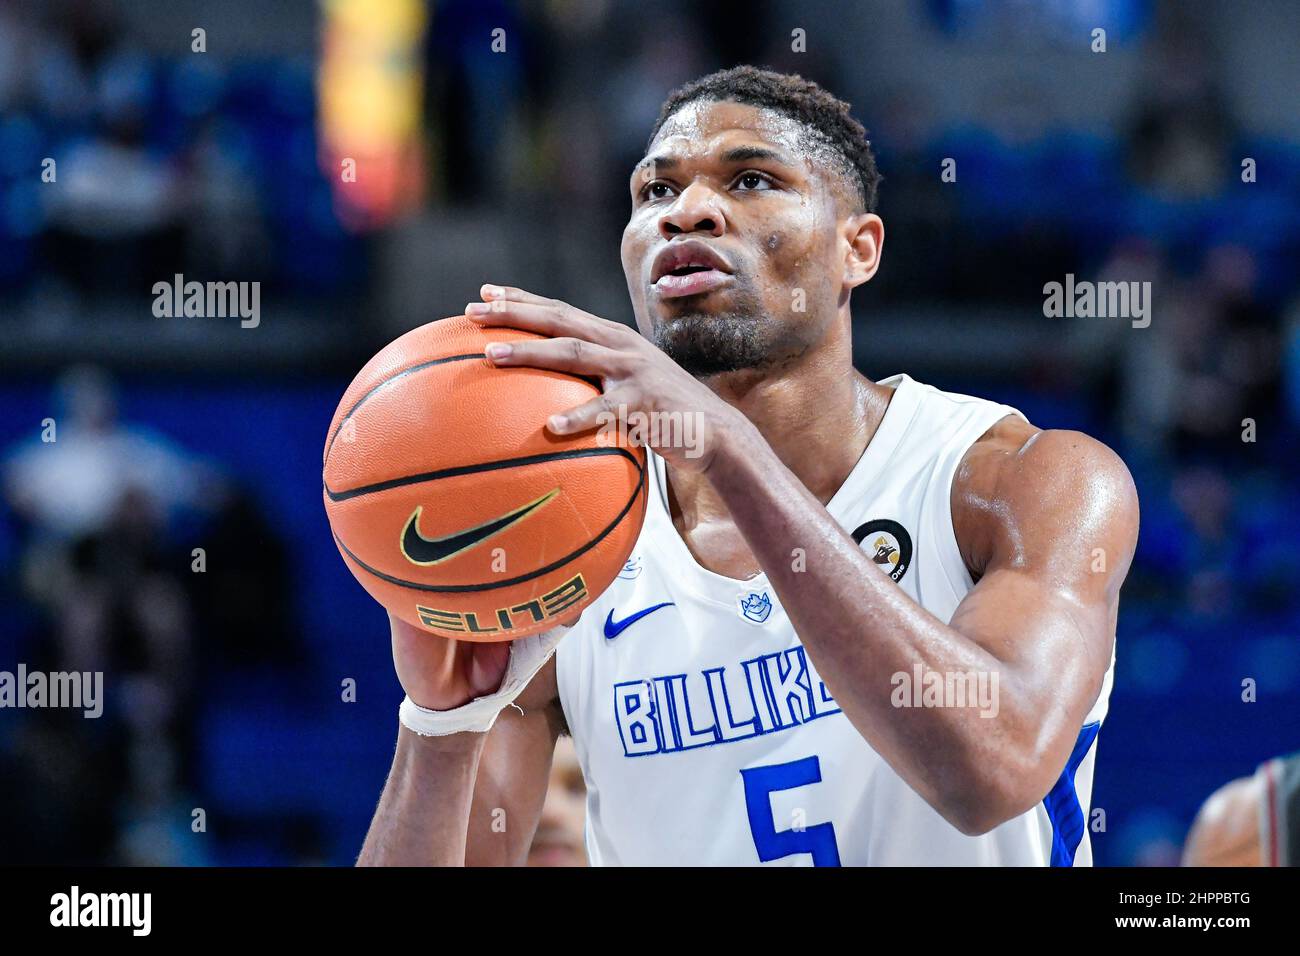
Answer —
527 655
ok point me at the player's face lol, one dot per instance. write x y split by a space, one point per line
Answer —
731 253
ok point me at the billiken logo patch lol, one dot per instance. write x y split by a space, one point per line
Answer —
755 606
888 544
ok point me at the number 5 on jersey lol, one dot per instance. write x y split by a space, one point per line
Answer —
772 844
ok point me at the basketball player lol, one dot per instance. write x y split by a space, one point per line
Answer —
1251 821
865 622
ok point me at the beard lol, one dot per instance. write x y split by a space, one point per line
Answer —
713 343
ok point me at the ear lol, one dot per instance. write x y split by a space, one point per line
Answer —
864 234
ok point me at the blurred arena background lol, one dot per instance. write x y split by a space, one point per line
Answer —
225 688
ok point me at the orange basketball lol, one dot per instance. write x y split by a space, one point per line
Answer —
454 506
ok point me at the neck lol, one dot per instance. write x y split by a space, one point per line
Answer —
816 412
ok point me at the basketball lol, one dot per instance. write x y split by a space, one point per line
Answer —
456 508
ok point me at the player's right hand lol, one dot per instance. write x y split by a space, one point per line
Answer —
440 673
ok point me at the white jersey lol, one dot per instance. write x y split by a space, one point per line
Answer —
704 732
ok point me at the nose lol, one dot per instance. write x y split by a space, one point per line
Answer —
696 210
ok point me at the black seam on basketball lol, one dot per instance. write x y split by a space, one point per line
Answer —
392 378
520 579
459 470
593 382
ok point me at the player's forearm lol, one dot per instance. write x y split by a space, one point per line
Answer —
424 811
860 630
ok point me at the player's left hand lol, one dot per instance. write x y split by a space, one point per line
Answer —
654 398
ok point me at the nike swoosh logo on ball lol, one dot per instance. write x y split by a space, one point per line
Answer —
423 551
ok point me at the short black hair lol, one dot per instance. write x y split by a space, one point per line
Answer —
801 100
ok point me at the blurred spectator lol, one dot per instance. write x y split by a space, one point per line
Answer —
244 600
1181 134
73 483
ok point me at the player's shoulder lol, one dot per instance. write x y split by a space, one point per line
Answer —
1017 476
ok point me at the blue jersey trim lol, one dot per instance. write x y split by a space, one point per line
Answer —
1062 804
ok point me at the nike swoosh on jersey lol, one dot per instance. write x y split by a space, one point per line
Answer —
425 551
614 628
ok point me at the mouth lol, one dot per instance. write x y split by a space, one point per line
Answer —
686 268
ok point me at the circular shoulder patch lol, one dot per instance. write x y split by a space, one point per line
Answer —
888 544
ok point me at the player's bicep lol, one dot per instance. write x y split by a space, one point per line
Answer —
1050 648
513 773
1054 515
1059 520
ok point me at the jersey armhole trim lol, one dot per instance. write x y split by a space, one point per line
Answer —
954 565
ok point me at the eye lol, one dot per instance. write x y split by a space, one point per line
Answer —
751 181
655 189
